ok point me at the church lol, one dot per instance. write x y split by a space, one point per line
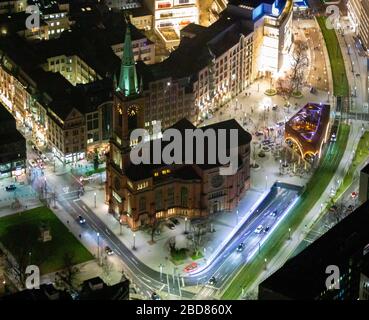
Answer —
142 194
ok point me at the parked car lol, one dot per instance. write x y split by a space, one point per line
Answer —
11 187
240 247
81 220
170 225
191 267
274 213
44 158
109 251
174 220
259 229
274 107
212 281
266 229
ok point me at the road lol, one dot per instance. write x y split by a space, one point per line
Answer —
67 188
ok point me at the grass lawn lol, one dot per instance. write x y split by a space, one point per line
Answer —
308 199
340 82
19 234
361 153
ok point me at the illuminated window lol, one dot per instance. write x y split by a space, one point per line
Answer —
156 174
117 197
143 185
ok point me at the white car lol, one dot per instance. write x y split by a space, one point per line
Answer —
32 163
259 229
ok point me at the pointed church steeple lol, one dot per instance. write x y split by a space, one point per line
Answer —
128 82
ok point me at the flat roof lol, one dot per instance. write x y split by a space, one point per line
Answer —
303 276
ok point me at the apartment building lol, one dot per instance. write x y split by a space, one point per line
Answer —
249 40
358 13
170 16
12 6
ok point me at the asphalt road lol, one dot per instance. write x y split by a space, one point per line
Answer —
66 188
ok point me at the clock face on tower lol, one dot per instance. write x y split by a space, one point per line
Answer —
132 110
217 181
116 183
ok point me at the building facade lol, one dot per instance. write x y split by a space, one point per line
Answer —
358 13
140 195
13 154
170 16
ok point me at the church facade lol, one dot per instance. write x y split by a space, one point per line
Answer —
142 194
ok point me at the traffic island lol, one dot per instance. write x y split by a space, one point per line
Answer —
270 92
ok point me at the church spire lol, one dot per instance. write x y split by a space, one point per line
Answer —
128 82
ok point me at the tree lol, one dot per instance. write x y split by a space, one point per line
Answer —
107 267
155 224
298 67
96 160
70 271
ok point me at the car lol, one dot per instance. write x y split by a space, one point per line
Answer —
274 213
191 267
171 226
11 187
259 229
174 220
240 247
358 74
274 107
354 194
333 138
155 296
212 281
81 220
32 163
266 229
259 133
44 158
109 251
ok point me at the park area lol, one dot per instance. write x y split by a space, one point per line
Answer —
340 82
20 234
314 189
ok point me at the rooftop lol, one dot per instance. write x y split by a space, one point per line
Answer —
144 171
303 276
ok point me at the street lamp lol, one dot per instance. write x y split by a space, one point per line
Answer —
289 233
95 199
237 215
186 232
265 264
98 247
134 241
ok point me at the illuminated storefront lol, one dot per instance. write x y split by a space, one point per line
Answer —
307 131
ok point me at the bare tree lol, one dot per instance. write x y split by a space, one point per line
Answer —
70 271
298 67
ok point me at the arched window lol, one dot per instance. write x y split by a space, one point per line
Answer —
170 197
142 204
158 199
184 197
